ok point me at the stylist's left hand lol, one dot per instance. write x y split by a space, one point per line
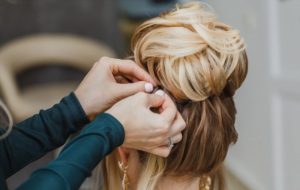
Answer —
99 89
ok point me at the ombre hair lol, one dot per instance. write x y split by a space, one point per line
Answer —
200 62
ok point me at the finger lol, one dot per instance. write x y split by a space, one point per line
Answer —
121 80
134 72
178 125
154 100
162 151
168 109
131 69
175 139
130 78
129 89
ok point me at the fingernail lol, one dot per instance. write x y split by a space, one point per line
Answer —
160 92
148 87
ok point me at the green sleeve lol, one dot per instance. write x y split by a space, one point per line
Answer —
43 132
79 156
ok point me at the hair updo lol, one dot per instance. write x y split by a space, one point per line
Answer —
200 62
191 53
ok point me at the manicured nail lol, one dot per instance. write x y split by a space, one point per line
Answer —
148 87
160 92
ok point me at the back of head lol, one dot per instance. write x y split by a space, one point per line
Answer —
200 62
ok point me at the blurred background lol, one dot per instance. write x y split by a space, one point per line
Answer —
46 47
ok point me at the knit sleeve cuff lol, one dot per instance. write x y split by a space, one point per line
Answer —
75 111
117 130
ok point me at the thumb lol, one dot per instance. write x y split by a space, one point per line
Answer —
155 100
168 109
129 89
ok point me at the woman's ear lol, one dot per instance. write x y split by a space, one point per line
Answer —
123 154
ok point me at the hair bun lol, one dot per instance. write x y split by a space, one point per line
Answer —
191 53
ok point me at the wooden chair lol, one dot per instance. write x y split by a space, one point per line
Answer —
38 50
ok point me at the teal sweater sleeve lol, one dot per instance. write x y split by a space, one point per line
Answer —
34 137
79 156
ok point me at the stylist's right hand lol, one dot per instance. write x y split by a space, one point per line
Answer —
144 129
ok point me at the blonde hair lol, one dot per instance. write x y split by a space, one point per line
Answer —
4 113
200 62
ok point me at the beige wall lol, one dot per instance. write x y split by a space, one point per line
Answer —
267 153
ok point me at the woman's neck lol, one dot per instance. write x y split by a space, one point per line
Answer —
178 183
166 183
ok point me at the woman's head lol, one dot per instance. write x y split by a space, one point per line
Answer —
200 62
191 53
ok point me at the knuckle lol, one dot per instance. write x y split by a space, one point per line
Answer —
96 63
155 142
166 153
148 95
181 127
103 59
181 123
130 62
164 130
162 139
141 95
180 137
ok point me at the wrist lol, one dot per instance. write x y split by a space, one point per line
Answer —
117 116
117 123
83 103
74 109
113 125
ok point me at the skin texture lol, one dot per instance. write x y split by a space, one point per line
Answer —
152 138
99 89
144 130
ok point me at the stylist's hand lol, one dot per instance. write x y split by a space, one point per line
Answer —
144 129
99 90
